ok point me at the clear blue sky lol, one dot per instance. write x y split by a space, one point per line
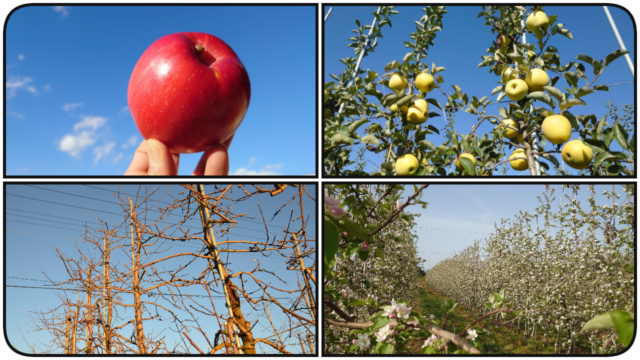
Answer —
457 215
464 39
35 228
69 65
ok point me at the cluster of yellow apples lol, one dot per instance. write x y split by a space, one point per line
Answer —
418 112
557 130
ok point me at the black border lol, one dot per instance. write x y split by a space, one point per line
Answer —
4 98
325 7
4 264
497 183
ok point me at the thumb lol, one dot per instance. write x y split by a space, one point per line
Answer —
160 159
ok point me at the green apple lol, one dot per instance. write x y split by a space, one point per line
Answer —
537 18
407 164
397 82
425 82
325 96
327 113
464 155
519 164
415 115
557 129
516 89
537 79
577 155
507 131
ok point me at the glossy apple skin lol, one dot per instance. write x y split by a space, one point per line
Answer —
174 97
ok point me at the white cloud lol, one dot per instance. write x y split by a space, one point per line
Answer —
91 122
20 57
71 106
19 83
123 111
265 170
15 114
74 144
133 141
117 158
21 171
63 10
102 151
46 87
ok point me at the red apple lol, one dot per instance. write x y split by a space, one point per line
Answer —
189 91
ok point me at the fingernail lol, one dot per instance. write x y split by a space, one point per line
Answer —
154 157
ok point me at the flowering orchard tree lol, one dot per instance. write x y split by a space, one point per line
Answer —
371 270
557 279
542 104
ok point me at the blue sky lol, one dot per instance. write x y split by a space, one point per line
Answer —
457 215
464 39
54 219
68 69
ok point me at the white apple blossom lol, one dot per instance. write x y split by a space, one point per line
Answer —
363 341
472 334
383 333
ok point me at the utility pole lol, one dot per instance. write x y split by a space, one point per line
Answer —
327 16
135 258
230 294
619 38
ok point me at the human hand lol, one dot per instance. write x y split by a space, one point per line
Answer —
153 158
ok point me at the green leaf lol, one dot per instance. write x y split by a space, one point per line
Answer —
380 323
468 165
571 102
434 102
596 145
599 322
554 92
541 96
601 87
386 348
623 322
607 156
572 78
353 127
614 55
358 303
339 139
379 253
331 241
588 59
370 139
620 135
585 90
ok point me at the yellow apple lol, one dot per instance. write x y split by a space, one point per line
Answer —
397 83
327 113
519 164
508 74
503 40
422 105
537 18
394 108
325 95
520 138
508 132
464 155
415 115
516 89
557 129
424 161
537 79
577 155
407 164
425 82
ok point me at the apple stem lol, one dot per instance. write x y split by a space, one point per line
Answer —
199 49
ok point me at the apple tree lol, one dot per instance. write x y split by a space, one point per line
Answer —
531 128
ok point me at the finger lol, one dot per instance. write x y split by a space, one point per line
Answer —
161 161
214 162
140 163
